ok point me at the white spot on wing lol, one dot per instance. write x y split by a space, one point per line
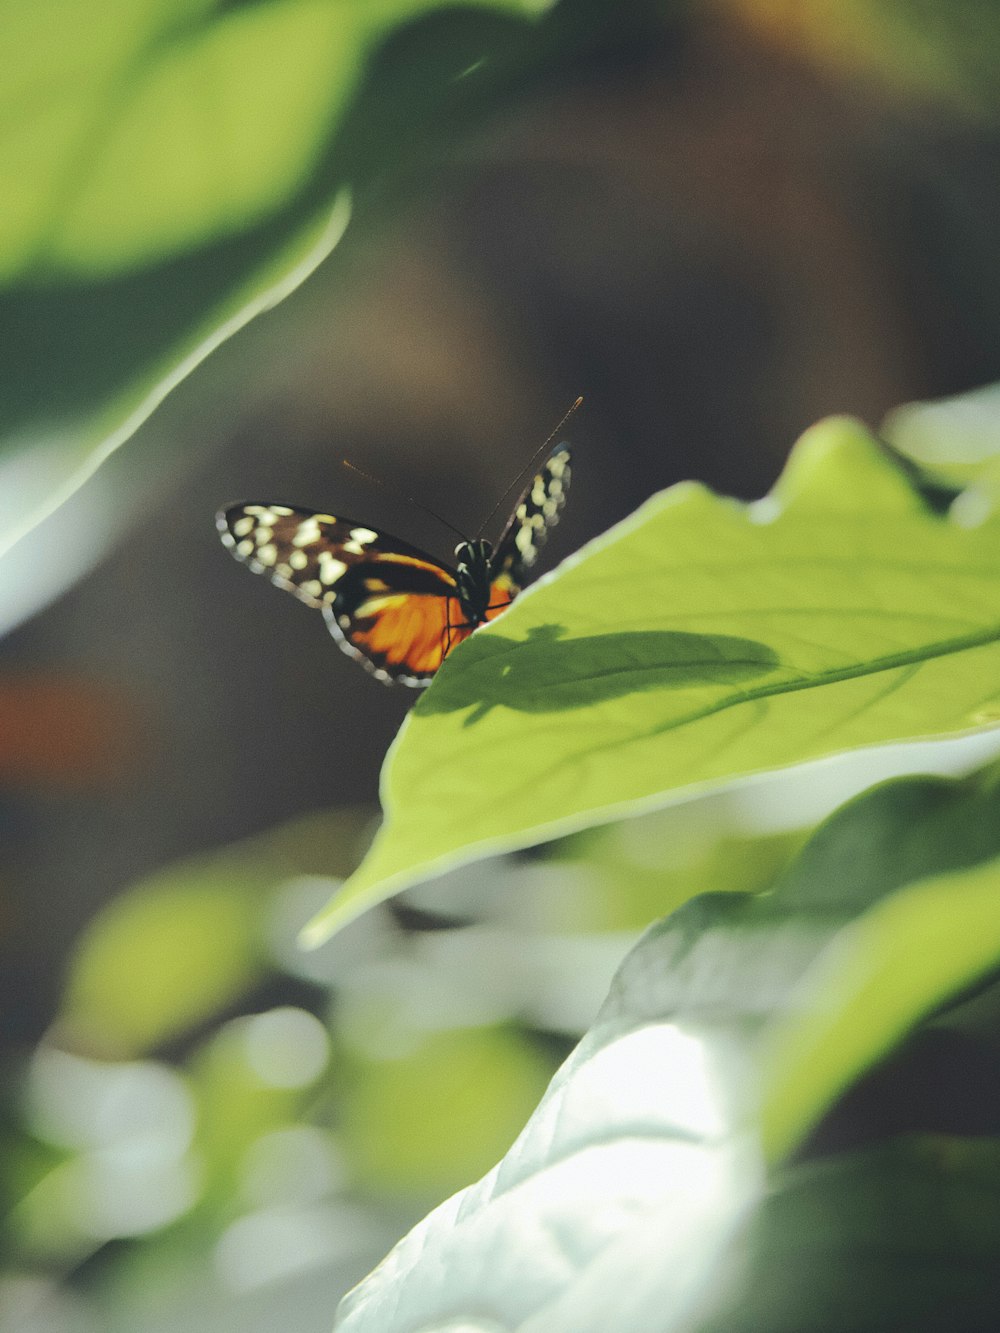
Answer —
307 533
330 568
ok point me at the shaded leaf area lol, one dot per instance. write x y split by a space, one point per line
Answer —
173 173
547 675
699 642
903 1235
638 1192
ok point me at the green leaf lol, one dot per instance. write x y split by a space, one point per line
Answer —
161 957
651 1186
920 946
957 438
469 1090
698 642
172 170
179 946
905 1235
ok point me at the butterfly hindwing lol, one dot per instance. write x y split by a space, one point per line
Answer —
398 631
536 511
387 603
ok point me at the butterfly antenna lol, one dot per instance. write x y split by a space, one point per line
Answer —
391 486
530 463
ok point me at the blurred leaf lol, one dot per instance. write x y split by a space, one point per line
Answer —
162 957
423 1122
235 1108
172 171
698 642
958 438
901 960
651 865
159 128
184 944
905 1235
736 1019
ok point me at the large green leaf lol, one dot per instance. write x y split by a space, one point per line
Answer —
698 642
171 170
903 1236
654 1179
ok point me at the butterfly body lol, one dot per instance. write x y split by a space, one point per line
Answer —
474 578
392 607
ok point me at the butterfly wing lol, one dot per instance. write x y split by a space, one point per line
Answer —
536 511
388 604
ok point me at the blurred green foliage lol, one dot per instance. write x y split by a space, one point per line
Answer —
409 1072
427 1120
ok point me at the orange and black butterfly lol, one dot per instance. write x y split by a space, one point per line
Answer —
397 610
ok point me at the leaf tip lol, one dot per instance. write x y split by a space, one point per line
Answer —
835 461
329 921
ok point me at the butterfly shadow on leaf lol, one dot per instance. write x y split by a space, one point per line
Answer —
547 673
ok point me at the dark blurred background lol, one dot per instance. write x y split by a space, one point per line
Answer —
746 218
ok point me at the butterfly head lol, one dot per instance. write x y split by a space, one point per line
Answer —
472 574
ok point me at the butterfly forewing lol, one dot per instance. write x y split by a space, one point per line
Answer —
536 511
308 553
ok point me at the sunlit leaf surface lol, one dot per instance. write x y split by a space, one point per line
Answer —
698 642
641 1187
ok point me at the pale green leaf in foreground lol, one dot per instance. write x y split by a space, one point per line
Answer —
172 170
157 127
728 1032
698 642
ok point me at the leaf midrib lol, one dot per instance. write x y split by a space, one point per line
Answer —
733 698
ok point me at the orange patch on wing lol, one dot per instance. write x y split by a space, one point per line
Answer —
502 593
412 632
415 633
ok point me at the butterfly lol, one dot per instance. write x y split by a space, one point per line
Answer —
391 606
